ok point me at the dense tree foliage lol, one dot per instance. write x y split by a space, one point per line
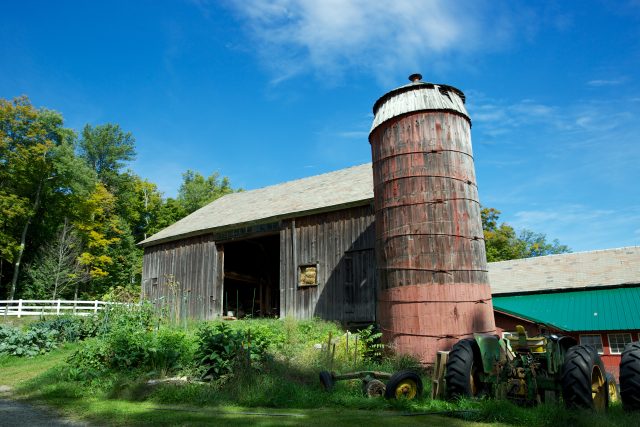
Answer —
38 173
71 212
196 190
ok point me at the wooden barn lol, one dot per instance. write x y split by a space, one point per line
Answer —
302 248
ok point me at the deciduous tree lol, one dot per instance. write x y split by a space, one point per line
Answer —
56 269
503 243
107 148
197 191
34 167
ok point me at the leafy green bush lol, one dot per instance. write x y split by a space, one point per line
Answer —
370 337
172 350
89 361
221 349
128 347
122 316
44 335
130 338
36 340
70 328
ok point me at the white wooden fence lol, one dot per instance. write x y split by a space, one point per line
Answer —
32 307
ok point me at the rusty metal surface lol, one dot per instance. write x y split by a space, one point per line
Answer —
423 319
430 251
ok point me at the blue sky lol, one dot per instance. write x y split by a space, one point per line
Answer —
266 92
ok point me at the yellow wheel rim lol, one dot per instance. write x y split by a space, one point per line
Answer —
473 388
598 389
407 389
613 392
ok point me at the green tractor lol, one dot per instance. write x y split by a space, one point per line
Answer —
529 370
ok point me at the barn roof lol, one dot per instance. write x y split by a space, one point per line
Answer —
330 191
584 291
588 310
574 271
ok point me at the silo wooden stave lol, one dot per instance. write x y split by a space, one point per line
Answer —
430 253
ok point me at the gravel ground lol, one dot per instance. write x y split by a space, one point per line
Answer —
19 414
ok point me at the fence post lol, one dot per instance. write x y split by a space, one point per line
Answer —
95 307
19 308
58 309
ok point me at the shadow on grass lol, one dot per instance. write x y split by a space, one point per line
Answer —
280 394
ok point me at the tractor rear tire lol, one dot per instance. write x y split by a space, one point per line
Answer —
584 381
630 377
464 365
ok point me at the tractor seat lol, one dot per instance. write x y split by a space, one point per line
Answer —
522 342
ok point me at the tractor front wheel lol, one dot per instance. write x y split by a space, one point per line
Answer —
463 369
584 383
403 385
373 388
630 377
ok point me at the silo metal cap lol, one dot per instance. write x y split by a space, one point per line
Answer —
418 96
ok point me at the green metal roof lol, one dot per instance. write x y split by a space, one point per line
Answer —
590 310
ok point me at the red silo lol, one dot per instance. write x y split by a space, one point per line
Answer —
432 267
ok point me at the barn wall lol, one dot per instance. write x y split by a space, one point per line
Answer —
508 323
341 244
183 277
187 275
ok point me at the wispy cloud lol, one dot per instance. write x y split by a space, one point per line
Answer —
608 82
583 226
329 37
563 214
495 117
359 134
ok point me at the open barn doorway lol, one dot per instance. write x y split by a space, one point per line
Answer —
252 277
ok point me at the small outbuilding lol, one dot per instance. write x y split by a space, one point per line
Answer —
591 296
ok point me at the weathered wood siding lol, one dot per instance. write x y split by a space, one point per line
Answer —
184 277
341 244
187 275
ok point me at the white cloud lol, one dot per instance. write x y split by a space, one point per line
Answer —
609 82
330 37
358 134
562 214
593 116
581 226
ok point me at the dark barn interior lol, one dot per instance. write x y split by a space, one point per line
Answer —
252 277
